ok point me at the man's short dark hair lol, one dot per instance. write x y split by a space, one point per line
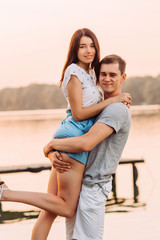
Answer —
109 60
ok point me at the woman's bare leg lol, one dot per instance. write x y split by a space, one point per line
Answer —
65 203
44 222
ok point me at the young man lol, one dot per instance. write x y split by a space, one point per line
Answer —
105 141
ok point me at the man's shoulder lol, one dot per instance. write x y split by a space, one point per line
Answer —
115 108
115 113
117 116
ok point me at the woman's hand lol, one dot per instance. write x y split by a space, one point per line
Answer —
124 98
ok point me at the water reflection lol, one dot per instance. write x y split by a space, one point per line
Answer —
119 205
16 216
113 205
125 204
122 205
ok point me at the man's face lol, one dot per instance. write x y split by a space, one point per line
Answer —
110 78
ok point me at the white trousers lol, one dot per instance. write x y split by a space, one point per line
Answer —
88 223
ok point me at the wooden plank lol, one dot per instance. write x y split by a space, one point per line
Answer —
34 168
131 161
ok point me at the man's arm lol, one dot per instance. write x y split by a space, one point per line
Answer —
84 143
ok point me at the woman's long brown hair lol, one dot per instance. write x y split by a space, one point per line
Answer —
74 46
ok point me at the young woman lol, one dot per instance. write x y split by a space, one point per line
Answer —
84 103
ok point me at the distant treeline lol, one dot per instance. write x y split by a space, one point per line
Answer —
34 96
144 90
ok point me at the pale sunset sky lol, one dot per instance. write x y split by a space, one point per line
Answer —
35 35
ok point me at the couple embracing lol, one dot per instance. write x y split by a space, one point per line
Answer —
87 145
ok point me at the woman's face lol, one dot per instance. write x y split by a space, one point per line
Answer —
86 51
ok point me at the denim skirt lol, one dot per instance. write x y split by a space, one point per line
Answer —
71 128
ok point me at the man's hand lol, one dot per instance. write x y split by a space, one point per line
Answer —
47 148
57 162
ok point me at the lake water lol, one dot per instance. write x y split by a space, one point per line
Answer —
23 135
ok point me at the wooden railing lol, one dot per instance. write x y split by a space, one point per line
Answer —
35 168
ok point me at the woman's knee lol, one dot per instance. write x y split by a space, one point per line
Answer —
47 215
70 212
